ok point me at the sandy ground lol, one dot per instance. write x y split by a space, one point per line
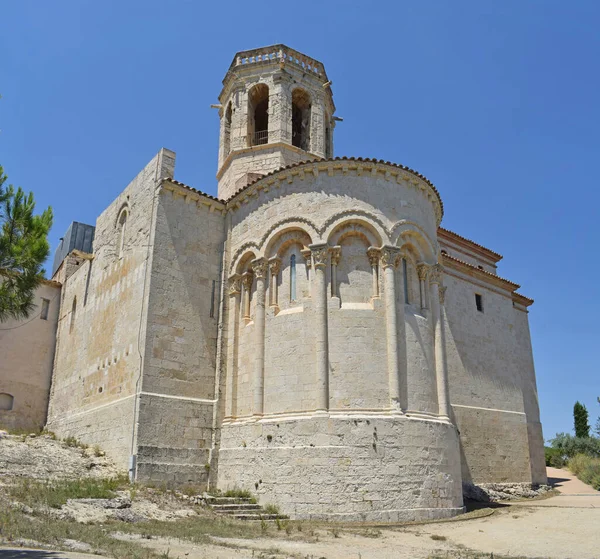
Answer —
566 526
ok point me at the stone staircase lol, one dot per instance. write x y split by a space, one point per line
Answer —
241 508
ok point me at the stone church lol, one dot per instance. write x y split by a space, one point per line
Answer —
312 334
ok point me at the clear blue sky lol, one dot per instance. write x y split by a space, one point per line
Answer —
496 102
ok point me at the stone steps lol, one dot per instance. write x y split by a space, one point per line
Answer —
241 508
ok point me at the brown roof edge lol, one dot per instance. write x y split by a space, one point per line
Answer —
521 299
188 187
456 263
476 246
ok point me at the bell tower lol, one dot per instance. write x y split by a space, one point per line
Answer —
276 109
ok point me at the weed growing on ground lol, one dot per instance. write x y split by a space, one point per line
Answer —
54 494
270 508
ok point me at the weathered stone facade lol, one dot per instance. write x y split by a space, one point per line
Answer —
311 335
26 356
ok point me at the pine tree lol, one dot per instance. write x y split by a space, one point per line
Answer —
23 249
580 415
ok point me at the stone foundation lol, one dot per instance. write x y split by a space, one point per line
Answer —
346 467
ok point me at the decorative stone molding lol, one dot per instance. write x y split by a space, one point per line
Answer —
336 253
307 256
235 285
422 271
275 265
260 267
373 254
247 280
390 256
320 254
436 274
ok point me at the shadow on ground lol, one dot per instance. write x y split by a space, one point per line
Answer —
29 554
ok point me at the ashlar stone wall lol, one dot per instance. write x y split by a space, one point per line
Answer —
101 332
179 396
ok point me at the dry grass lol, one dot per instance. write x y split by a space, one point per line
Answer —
54 494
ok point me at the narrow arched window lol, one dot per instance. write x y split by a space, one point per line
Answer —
258 115
121 233
301 119
405 279
6 401
293 277
227 130
73 313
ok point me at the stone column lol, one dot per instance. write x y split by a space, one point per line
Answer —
247 280
422 270
441 372
320 255
335 252
259 267
394 315
374 254
235 285
274 267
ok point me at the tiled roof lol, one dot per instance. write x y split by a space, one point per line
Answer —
464 239
512 284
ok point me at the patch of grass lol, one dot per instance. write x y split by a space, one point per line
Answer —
56 493
238 493
270 508
438 538
46 529
74 443
197 529
586 468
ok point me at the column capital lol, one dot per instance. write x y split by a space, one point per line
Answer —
390 256
274 265
336 253
306 253
423 270
320 254
373 254
436 274
247 279
235 284
259 267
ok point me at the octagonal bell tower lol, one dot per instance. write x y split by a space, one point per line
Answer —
276 110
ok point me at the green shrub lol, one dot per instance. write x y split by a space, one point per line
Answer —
570 445
554 457
578 463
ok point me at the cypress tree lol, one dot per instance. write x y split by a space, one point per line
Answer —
580 415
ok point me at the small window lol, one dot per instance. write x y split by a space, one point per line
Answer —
45 307
6 402
121 233
293 277
479 302
480 267
444 252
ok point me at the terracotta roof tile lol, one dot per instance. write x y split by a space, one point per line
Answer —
453 234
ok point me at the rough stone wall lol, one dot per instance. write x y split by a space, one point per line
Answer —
178 386
359 468
27 350
487 372
100 346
